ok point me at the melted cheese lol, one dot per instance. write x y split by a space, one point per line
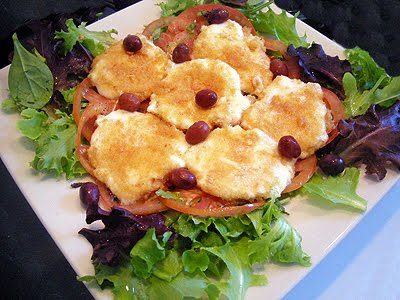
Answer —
132 152
291 107
234 163
117 71
241 50
174 100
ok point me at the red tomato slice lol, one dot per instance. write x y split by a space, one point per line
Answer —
293 66
275 45
164 40
305 169
159 23
335 105
81 154
146 207
333 102
202 204
177 29
192 14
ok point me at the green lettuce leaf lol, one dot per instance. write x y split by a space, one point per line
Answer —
357 103
278 242
54 142
55 151
183 286
233 227
146 253
95 41
34 123
281 26
365 69
9 106
388 95
285 244
168 268
125 285
157 33
68 95
204 263
264 236
175 7
338 190
29 80
191 226
236 258
168 195
194 260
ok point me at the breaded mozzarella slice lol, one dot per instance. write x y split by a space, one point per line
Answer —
292 107
241 50
174 101
233 163
132 152
117 71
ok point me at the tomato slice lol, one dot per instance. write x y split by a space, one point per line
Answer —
81 154
335 105
333 102
293 66
275 45
305 169
159 23
80 92
198 203
177 29
146 207
192 14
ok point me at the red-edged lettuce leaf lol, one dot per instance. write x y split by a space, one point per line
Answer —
121 232
318 67
372 139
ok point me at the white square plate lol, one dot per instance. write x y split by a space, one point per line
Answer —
322 226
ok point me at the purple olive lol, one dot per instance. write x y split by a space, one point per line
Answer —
206 98
129 102
288 147
181 178
181 53
197 133
89 193
332 164
132 43
217 16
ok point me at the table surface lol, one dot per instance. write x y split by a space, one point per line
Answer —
365 265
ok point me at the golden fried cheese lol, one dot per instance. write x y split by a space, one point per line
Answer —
117 71
241 50
174 100
233 163
292 107
132 152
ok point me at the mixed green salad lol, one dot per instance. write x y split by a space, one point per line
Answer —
172 255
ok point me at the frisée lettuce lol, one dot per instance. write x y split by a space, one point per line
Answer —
95 41
54 142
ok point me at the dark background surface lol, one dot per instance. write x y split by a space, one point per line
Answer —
32 267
